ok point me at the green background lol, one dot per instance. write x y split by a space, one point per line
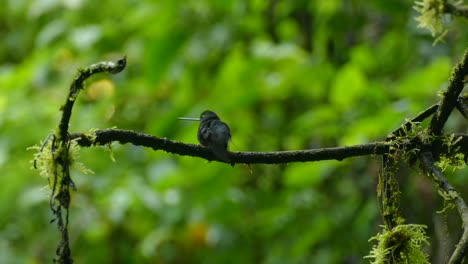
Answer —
284 75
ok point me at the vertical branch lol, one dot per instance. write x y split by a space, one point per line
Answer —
60 148
427 165
388 192
456 83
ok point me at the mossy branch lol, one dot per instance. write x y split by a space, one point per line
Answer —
56 156
77 85
427 165
106 136
449 101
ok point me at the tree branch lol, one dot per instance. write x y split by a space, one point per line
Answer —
427 165
60 179
401 131
106 136
388 191
449 101
456 10
77 85
462 105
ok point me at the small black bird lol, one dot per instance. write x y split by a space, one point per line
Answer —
213 134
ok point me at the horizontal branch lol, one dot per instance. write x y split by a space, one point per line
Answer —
107 136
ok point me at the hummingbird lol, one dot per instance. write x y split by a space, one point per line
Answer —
213 134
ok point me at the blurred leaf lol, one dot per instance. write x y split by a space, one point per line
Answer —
348 87
162 50
425 81
305 174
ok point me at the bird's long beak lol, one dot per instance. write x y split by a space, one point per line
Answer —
189 118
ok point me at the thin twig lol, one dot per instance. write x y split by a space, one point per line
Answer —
401 131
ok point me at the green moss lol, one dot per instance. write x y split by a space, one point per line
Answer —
44 158
431 12
402 244
454 158
74 156
91 135
51 158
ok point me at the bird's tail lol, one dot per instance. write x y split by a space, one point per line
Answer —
221 153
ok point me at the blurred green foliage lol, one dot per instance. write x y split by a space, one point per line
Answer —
283 74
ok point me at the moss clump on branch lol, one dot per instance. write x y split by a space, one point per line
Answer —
402 244
431 16
50 158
